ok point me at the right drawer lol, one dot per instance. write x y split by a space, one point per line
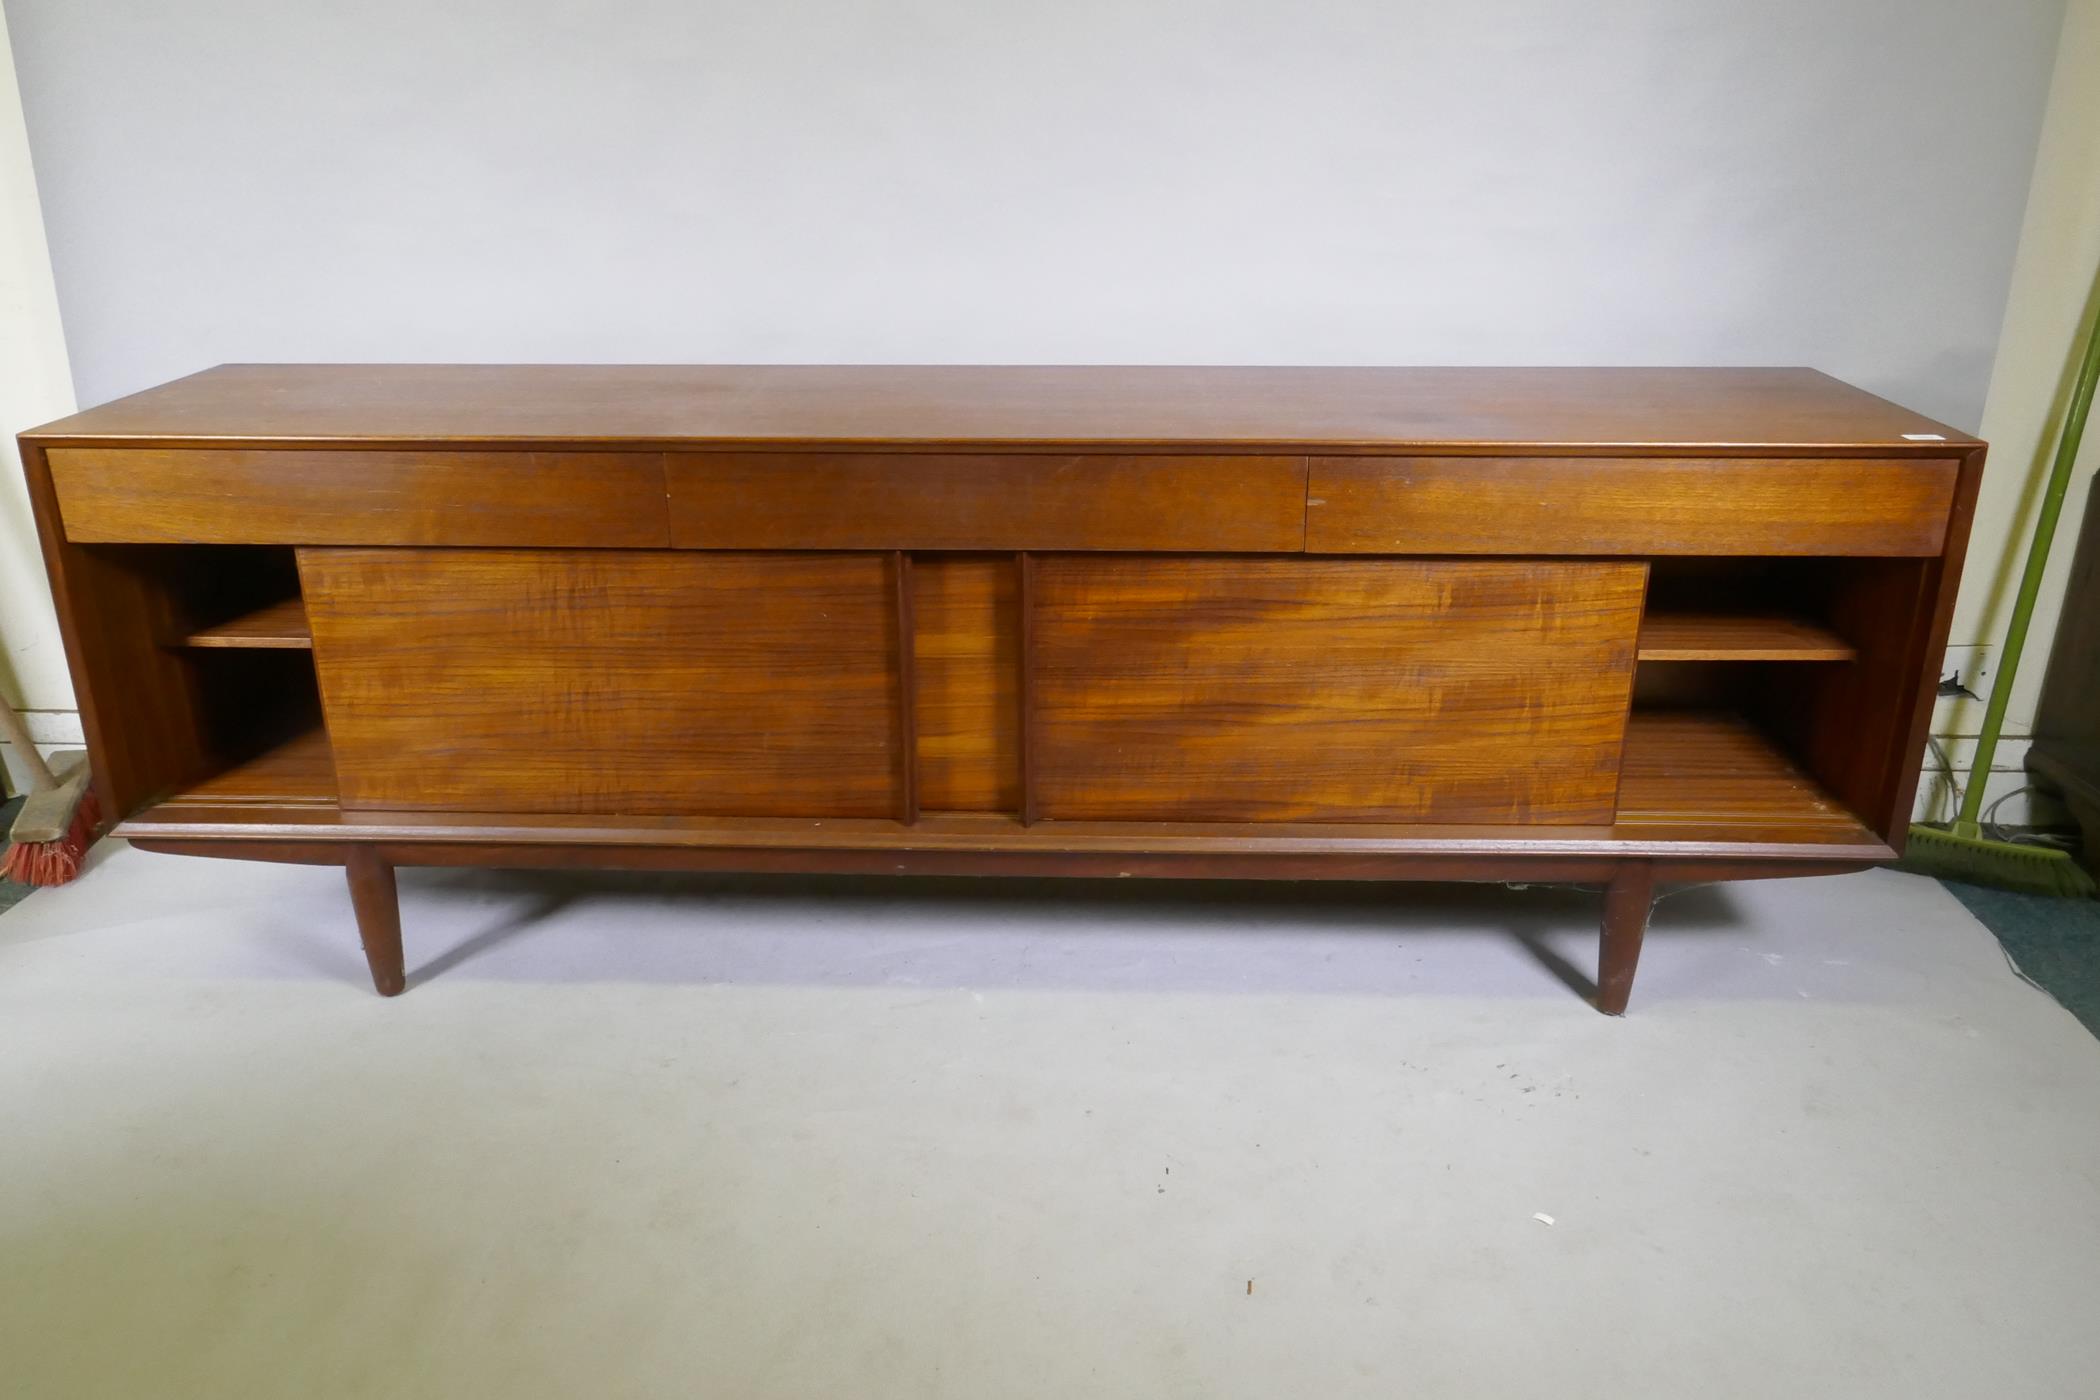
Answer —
1628 505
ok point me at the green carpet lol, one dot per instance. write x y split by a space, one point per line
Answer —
2055 941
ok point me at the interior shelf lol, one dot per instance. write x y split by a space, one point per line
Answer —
298 772
278 626
1725 636
1689 775
1711 768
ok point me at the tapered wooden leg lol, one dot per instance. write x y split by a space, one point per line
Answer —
1626 903
378 906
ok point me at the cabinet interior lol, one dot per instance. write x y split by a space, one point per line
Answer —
1807 657
1754 680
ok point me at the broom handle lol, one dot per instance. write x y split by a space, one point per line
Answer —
2031 580
41 778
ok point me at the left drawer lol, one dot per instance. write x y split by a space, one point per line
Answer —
358 497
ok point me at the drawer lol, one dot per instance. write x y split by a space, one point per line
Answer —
253 496
1627 505
985 501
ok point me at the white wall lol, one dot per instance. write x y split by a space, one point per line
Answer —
2050 306
34 386
1830 182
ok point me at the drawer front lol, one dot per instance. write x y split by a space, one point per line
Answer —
244 496
985 501
608 681
1622 505
1388 690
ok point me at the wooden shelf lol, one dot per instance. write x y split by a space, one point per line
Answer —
1695 782
300 772
281 626
1707 769
1722 636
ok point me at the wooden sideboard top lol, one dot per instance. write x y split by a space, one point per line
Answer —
1312 409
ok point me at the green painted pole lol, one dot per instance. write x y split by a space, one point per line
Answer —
2031 580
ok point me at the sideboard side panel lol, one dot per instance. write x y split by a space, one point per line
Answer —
1907 720
139 702
590 681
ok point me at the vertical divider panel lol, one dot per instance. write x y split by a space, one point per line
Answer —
907 693
965 681
1025 563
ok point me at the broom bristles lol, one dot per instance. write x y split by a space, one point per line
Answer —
1978 860
48 863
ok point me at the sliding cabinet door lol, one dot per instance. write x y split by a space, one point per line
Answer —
587 681
1296 689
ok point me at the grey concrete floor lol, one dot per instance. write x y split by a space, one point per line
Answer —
639 1136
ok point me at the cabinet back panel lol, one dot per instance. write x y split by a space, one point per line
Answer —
608 681
1330 690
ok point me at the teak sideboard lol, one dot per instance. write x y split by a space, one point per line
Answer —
1621 626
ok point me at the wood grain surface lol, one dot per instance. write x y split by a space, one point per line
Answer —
1628 898
298 771
1694 772
1846 722
1292 690
212 496
1699 786
1730 636
983 501
1080 635
1551 505
149 729
274 626
1319 408
375 899
967 645
608 682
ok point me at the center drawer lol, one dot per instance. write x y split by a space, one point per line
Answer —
986 501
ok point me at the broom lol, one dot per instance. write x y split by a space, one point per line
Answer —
57 824
1963 852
